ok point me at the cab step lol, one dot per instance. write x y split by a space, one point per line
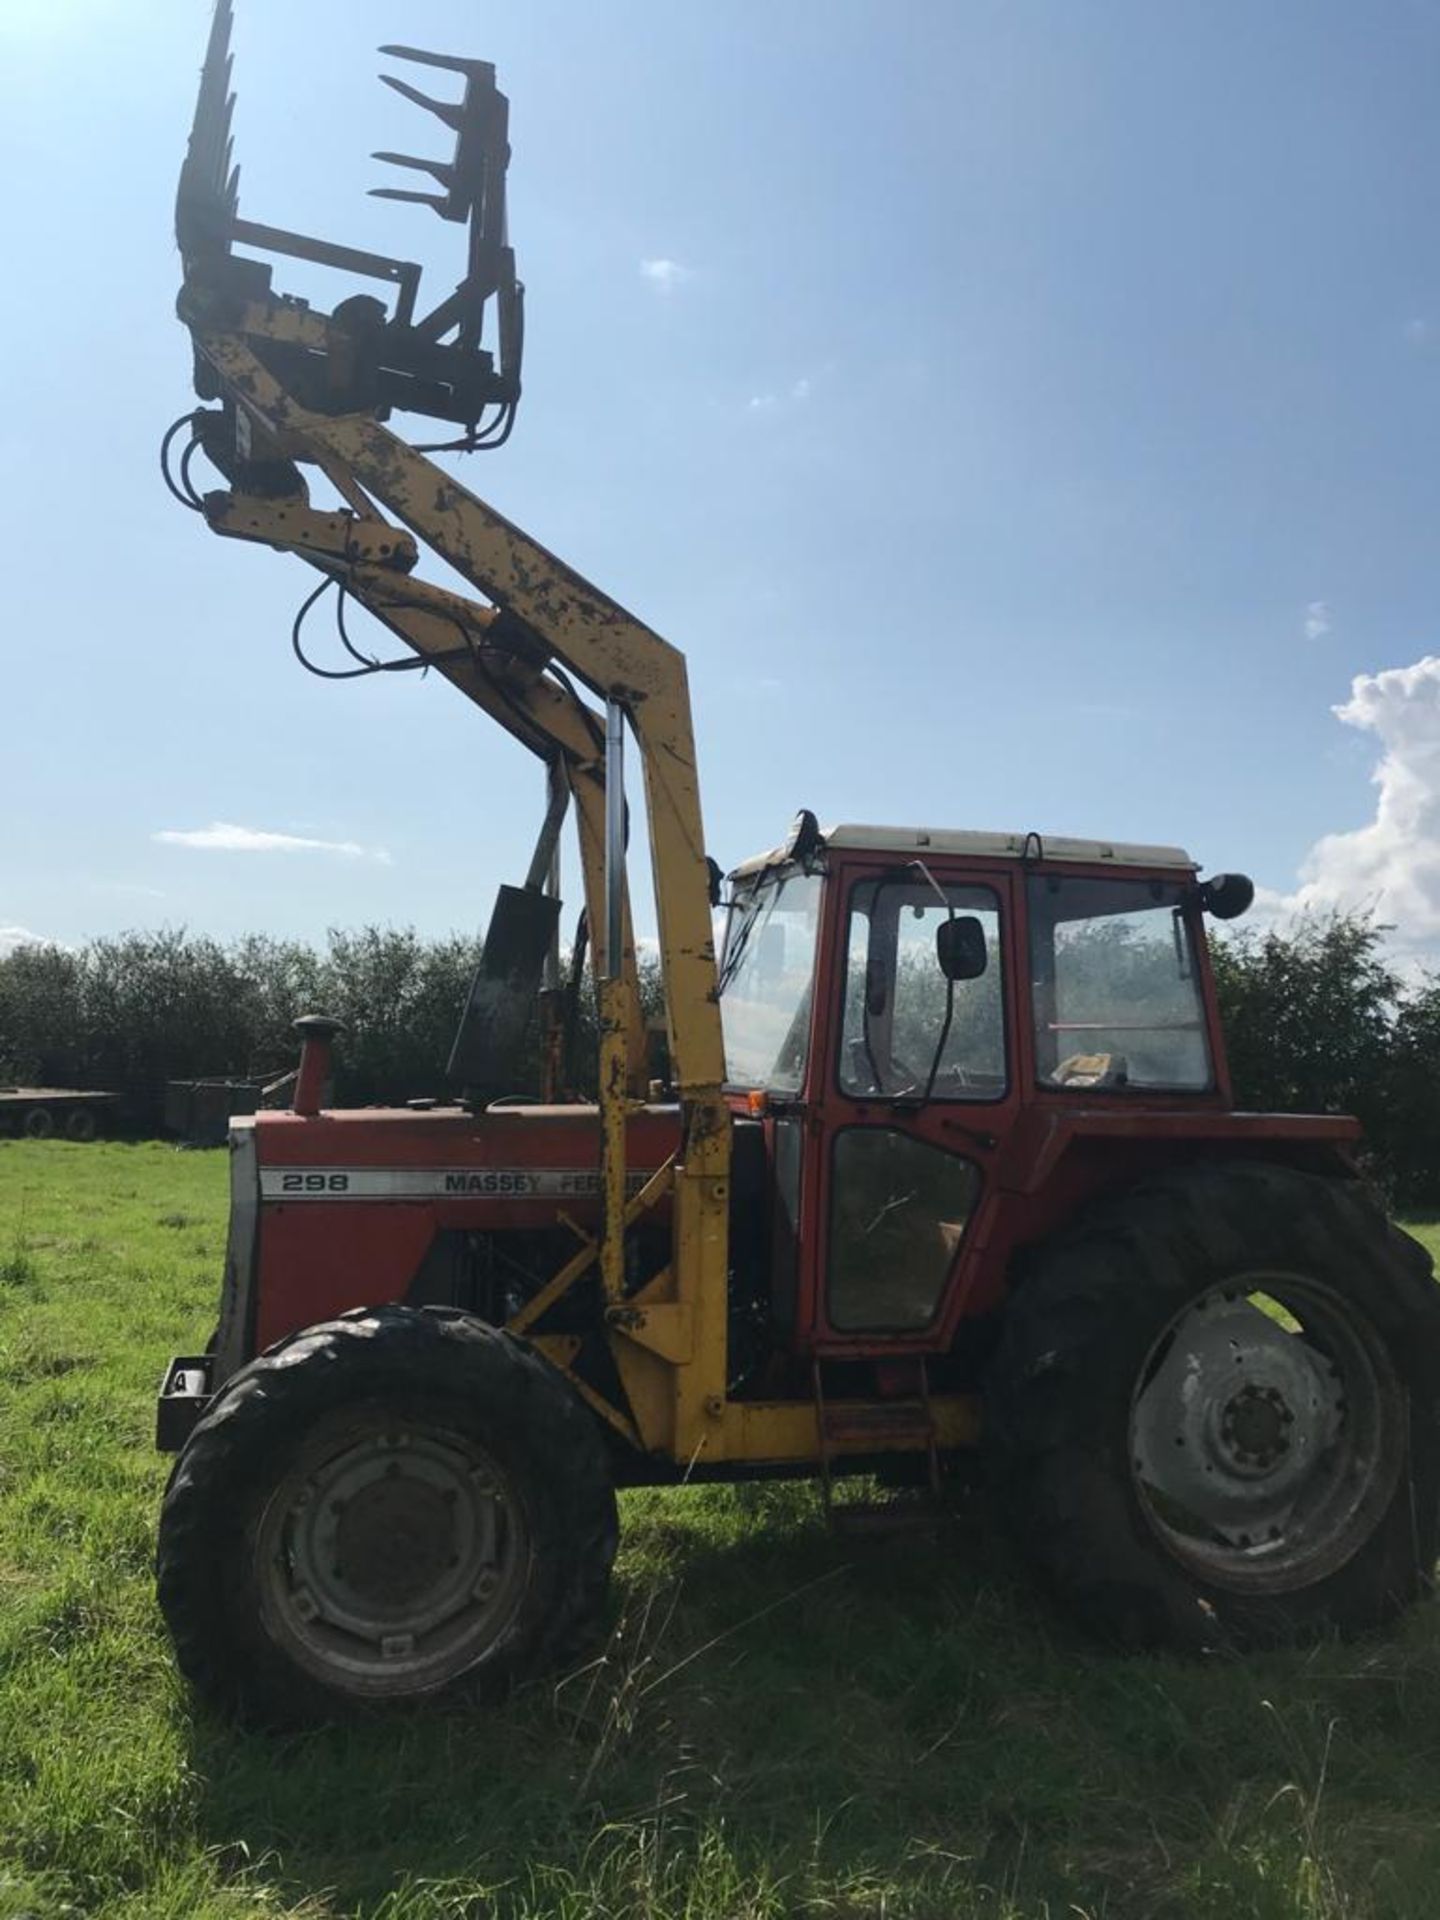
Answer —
882 1426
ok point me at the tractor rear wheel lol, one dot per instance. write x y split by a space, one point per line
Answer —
1214 1417
394 1507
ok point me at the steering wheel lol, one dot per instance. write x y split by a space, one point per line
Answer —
866 1078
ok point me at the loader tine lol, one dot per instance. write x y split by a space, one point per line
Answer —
214 100
211 131
450 62
206 200
435 168
415 199
218 45
452 116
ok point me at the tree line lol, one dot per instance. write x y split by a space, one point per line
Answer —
131 1013
1318 1019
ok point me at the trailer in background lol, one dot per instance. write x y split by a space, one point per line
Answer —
44 1113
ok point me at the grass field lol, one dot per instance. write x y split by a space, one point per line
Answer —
783 1724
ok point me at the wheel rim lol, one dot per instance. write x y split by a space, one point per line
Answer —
392 1559
1267 1433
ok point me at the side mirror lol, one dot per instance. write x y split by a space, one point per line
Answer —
960 947
1226 896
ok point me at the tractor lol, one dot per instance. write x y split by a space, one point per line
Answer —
941 1163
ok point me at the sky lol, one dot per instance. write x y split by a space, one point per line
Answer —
1023 414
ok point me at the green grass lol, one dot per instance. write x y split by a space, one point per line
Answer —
782 1724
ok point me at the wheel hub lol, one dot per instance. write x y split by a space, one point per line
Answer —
1253 1428
393 1540
394 1559
1232 1427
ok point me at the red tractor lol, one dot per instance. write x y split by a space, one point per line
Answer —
945 1156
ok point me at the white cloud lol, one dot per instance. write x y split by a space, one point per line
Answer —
758 402
665 275
13 937
222 836
801 389
1392 865
1317 620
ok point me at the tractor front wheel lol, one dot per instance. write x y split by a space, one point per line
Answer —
1214 1418
394 1507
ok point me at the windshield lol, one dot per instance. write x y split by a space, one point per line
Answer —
1117 999
765 981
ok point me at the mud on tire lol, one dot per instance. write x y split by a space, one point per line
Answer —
1214 1417
397 1506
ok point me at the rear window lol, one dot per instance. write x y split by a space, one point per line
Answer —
1117 999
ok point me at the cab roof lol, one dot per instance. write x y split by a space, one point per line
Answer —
1002 846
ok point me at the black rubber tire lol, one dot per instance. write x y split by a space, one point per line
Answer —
82 1125
1079 1328
38 1124
435 1367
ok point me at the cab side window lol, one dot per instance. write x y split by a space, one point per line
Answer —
913 1019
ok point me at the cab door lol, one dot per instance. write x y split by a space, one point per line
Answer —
911 1104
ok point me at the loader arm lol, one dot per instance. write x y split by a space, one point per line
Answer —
612 652
534 709
301 388
561 730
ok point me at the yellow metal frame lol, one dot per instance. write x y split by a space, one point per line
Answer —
618 658
669 1340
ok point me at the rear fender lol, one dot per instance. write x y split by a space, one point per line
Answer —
1048 1142
1058 1161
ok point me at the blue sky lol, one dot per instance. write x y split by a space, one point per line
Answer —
1022 415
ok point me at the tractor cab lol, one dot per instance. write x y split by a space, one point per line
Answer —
910 1012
